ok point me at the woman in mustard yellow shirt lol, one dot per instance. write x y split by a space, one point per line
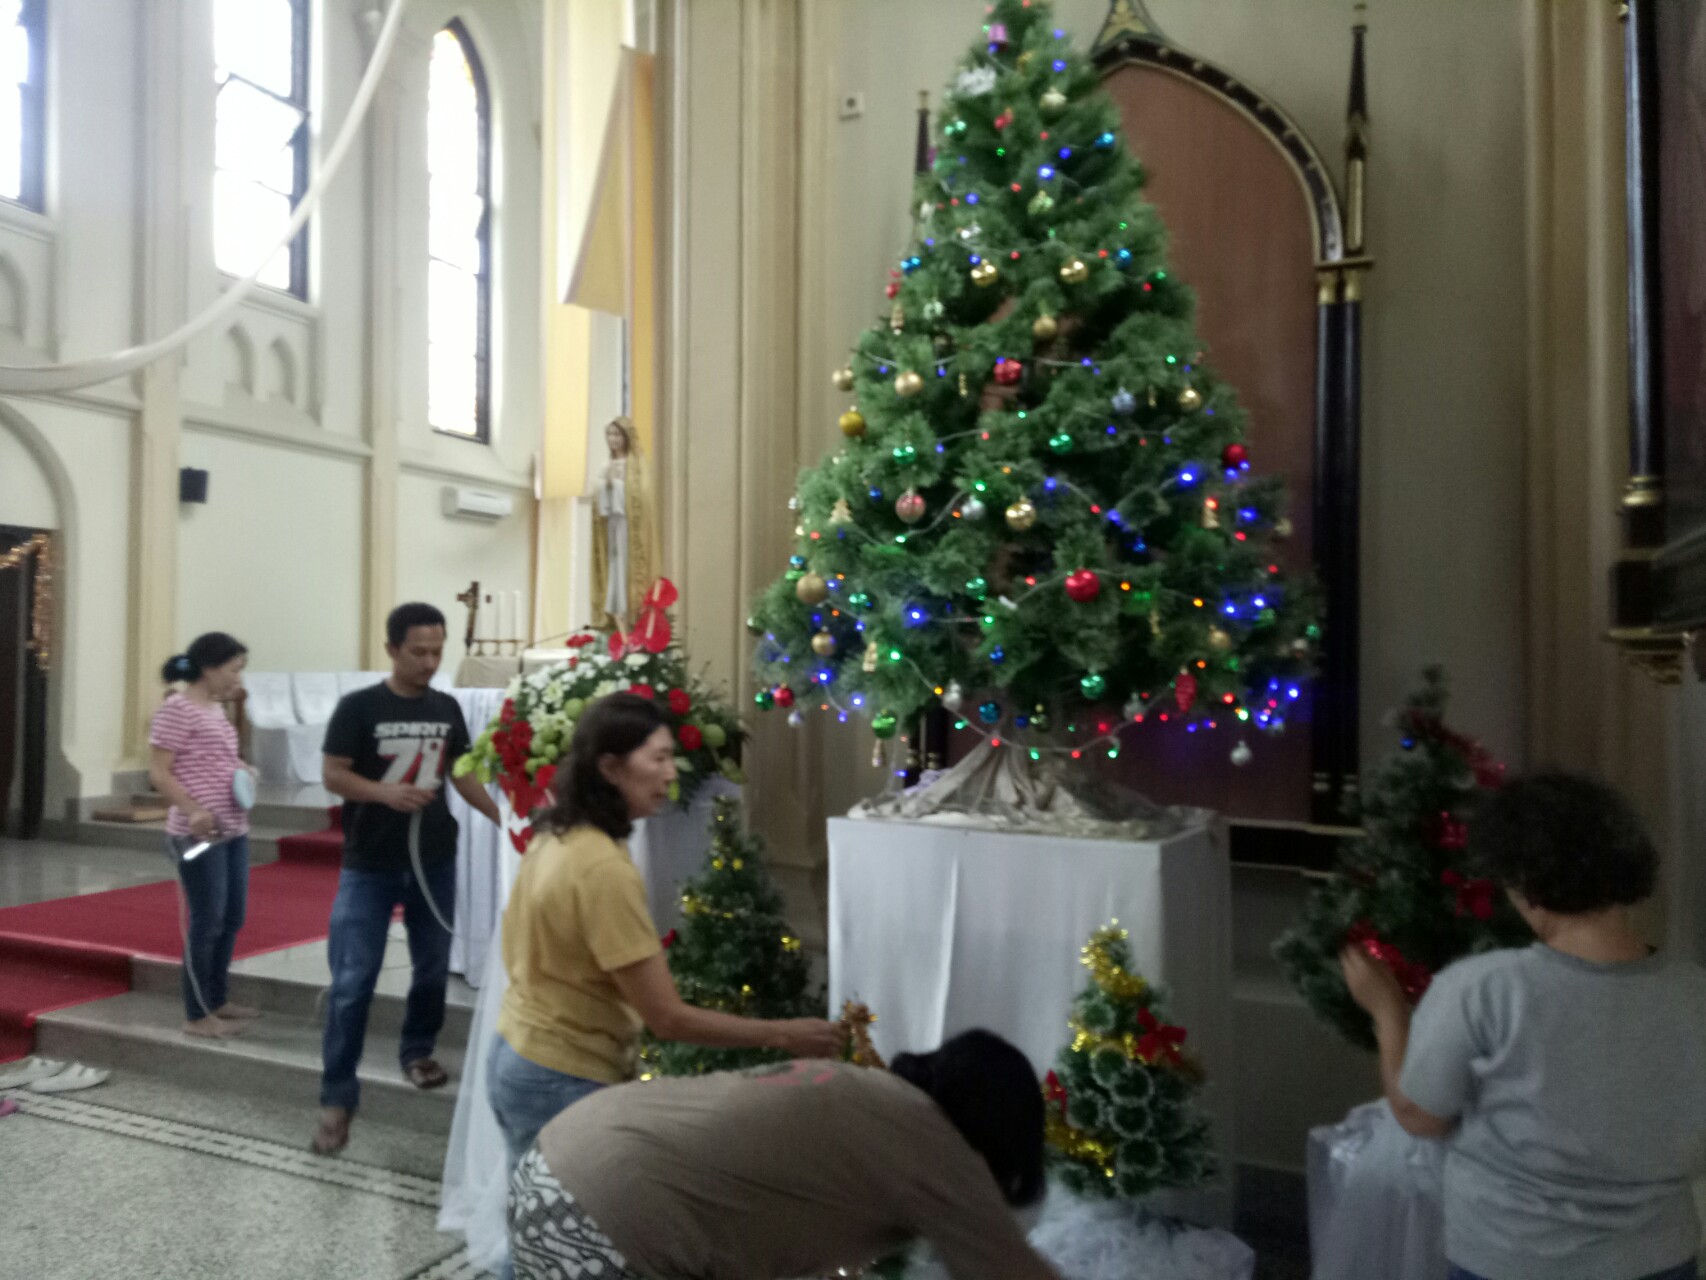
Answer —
586 967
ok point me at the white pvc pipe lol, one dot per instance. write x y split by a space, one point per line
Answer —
96 369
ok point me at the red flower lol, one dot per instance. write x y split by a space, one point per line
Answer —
1474 897
690 737
579 642
1055 1091
1159 1041
507 712
521 839
679 702
642 690
669 939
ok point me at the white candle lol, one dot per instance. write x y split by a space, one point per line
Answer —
523 626
483 623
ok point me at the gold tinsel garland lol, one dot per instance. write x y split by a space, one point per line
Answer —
41 613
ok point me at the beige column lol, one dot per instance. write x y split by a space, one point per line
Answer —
159 422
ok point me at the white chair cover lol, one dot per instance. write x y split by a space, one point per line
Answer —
350 681
269 704
315 694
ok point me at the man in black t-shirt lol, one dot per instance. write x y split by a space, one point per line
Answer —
388 751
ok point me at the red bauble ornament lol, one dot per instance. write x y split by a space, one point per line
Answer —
1234 456
1008 372
1083 586
784 697
892 290
1004 119
910 506
1185 691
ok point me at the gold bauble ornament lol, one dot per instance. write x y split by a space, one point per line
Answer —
812 589
1044 328
1024 62
1075 272
870 662
843 379
985 274
909 383
853 424
1282 527
1053 102
823 644
1219 640
1190 399
1021 515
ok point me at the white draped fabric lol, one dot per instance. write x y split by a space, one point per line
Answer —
667 849
482 854
940 929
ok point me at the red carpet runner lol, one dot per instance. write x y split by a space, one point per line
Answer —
73 950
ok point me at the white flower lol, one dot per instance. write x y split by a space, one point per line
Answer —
974 82
638 659
605 688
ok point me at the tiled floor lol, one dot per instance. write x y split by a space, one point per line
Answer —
41 870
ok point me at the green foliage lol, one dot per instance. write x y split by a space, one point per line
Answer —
733 952
1123 1118
1113 430
1408 879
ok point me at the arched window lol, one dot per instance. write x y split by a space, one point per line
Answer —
459 285
22 26
260 142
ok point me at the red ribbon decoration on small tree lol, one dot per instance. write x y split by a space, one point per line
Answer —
1474 897
1412 978
1160 1042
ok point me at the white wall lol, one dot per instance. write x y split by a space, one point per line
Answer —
279 406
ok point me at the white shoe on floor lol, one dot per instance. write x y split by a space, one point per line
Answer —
70 1080
29 1071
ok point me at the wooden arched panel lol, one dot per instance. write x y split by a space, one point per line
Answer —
1244 234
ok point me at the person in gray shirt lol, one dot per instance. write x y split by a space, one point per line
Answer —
1567 1078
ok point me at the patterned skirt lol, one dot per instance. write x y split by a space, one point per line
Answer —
550 1235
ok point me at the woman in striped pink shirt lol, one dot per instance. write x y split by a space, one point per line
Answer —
194 763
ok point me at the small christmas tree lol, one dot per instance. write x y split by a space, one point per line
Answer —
1122 1119
1044 503
1405 891
733 952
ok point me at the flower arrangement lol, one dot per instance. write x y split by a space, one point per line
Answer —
520 748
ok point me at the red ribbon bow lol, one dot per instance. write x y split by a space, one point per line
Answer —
1159 1041
651 632
1474 897
1055 1092
1412 978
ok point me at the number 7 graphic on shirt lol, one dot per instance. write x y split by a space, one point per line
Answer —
417 761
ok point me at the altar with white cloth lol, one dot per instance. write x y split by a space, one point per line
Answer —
942 928
667 849
480 890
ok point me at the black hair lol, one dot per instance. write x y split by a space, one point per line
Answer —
1566 843
406 617
214 649
617 725
987 1088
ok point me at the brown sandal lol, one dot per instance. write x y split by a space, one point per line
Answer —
332 1134
424 1073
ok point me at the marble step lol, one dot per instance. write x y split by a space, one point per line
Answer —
279 1057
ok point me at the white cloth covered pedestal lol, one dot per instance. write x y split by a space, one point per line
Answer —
940 929
476 1173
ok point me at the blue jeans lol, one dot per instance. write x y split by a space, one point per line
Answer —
355 945
526 1097
1687 1271
216 890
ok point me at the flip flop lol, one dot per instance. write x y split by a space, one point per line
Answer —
70 1080
424 1073
29 1071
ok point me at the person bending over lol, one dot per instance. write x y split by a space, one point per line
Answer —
1568 1078
791 1170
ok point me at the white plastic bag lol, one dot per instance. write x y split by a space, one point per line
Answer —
1374 1200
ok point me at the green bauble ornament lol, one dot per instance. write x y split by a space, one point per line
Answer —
764 699
978 589
1093 685
883 724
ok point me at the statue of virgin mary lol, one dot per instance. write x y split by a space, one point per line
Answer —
621 524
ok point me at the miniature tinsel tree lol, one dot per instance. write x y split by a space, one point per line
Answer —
1405 891
1044 502
734 952
1122 1117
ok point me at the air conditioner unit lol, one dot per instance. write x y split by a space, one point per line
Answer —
476 504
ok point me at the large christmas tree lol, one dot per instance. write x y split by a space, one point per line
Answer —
1044 502
1122 1118
733 952
1405 891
